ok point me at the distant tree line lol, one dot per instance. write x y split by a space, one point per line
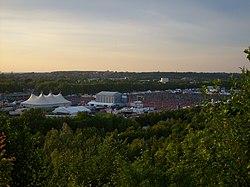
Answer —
70 84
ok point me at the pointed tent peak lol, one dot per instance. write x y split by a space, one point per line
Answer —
59 94
41 94
32 95
31 98
50 93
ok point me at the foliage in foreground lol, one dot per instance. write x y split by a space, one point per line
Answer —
5 163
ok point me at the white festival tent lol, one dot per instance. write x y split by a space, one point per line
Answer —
46 101
71 110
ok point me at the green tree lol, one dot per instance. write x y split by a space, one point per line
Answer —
219 154
6 164
247 51
141 172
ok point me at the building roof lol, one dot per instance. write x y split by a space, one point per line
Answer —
95 103
71 110
45 101
107 93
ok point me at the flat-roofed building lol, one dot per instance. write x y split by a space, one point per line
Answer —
109 97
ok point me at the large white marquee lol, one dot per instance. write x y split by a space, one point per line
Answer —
46 101
71 110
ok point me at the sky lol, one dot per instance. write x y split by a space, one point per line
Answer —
124 35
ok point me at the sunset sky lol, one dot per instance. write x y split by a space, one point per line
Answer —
124 35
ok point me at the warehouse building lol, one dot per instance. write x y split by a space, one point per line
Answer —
109 99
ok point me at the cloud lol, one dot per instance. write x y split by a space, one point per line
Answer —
116 30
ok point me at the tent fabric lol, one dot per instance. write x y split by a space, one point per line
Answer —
45 101
95 103
71 110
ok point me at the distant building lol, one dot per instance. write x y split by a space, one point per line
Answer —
16 96
164 80
137 104
212 90
70 110
108 99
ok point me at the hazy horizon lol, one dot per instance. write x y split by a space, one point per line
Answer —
119 71
115 35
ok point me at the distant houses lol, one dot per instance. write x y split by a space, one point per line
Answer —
164 80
